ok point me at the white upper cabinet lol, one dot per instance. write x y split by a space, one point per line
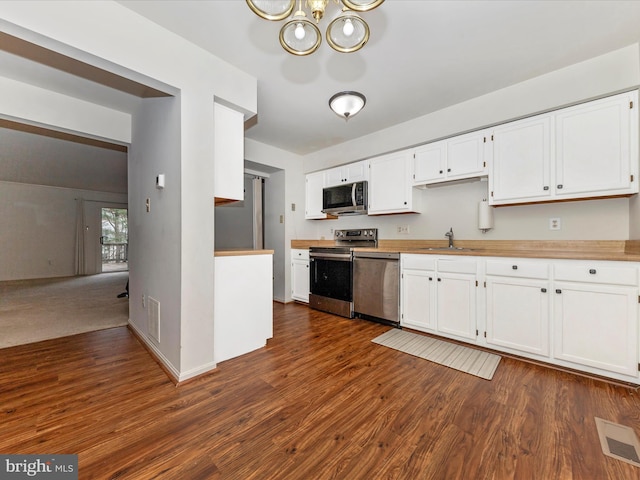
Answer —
586 151
390 184
595 154
466 155
228 154
352 172
429 163
314 183
521 163
456 158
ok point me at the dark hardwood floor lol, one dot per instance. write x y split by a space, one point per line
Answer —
321 401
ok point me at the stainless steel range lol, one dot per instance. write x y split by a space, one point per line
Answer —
331 271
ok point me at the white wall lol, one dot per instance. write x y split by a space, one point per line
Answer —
43 245
234 221
275 231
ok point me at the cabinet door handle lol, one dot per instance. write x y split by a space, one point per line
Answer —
543 290
560 187
514 267
546 187
448 169
558 291
592 271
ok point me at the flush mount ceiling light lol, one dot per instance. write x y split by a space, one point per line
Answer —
347 104
346 33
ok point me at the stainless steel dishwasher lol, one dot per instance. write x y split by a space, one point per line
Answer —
376 286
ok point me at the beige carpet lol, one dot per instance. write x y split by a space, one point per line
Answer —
469 360
35 310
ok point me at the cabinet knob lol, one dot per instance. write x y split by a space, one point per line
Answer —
405 203
546 187
592 271
439 279
543 290
559 187
514 267
448 169
558 291
440 171
430 279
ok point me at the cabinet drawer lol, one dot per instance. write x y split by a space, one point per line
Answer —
518 268
457 266
419 262
299 254
594 272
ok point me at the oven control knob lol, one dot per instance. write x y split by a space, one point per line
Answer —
371 232
366 233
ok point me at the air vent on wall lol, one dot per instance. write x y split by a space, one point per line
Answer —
153 319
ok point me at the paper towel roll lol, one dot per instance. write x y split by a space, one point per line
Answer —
485 216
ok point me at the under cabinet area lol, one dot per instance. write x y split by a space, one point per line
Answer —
300 275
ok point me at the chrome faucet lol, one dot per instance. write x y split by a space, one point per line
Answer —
449 234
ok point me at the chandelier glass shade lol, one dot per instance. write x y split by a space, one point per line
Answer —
347 104
346 33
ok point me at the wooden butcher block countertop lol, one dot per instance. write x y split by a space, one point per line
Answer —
613 250
241 252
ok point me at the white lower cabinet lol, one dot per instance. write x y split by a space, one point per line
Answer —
456 303
518 308
439 296
300 275
572 313
418 292
596 323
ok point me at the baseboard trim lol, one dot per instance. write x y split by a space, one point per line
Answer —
160 359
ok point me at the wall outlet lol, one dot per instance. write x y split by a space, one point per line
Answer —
403 229
554 224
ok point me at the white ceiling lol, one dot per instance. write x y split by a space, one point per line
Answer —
422 56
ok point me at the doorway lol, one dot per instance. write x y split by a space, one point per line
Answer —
114 240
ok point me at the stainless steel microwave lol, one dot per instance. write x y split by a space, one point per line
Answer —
346 199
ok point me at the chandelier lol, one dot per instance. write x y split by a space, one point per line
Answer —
346 33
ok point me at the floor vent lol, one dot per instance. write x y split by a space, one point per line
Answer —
153 319
618 441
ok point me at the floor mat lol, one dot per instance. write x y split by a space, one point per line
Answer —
469 360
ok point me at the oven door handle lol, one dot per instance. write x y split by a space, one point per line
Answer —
332 256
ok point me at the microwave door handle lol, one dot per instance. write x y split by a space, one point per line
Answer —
353 194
